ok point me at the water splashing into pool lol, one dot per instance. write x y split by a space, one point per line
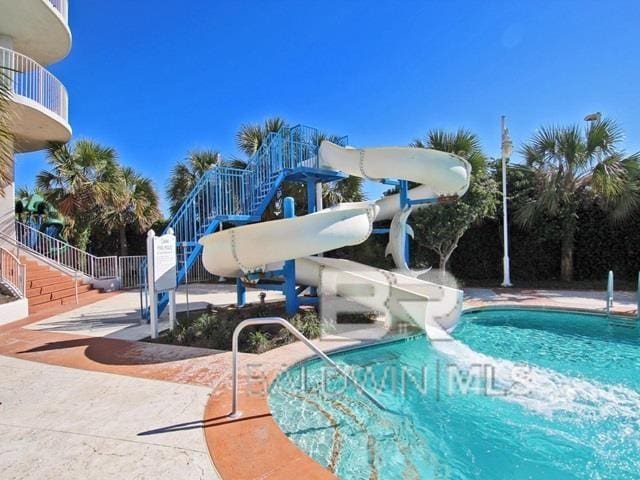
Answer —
555 395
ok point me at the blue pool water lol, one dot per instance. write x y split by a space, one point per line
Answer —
517 394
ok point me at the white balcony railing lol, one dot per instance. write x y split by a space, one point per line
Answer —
63 7
31 80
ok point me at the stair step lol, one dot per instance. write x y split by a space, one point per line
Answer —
60 297
43 282
83 299
70 292
34 269
35 272
53 287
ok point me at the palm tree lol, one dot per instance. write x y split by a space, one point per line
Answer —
251 136
6 138
186 173
79 183
462 142
570 164
133 203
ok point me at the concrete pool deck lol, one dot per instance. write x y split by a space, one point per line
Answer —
57 422
249 447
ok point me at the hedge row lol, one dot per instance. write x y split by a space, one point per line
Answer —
535 254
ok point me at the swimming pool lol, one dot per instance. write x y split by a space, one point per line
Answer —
517 394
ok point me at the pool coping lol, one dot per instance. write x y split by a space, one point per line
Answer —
585 311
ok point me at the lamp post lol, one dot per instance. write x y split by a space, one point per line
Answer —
506 153
593 117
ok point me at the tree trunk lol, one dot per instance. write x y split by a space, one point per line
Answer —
566 251
443 263
124 248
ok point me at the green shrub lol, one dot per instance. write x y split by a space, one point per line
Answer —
258 342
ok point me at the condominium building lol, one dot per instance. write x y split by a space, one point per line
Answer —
33 35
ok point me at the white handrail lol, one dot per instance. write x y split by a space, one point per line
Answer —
13 273
31 80
65 254
61 6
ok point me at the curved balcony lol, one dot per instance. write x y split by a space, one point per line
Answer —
38 28
40 103
62 6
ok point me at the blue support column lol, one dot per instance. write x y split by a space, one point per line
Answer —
311 196
241 293
404 203
289 287
312 207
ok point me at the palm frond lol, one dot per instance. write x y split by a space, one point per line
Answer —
462 142
603 135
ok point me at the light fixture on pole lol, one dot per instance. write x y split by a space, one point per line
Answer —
507 147
593 117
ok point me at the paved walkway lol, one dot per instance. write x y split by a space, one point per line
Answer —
61 423
119 316
623 302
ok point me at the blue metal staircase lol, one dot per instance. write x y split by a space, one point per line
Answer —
240 196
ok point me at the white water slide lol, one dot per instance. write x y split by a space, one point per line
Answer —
262 247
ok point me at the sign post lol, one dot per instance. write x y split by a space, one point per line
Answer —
161 258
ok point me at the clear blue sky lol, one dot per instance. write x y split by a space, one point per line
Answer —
155 79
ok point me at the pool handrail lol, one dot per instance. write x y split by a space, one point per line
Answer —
235 413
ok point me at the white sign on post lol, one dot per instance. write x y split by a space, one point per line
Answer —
164 262
161 261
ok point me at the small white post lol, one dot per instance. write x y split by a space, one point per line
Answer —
609 291
153 299
172 309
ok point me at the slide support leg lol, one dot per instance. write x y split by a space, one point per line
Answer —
289 290
313 205
404 203
241 293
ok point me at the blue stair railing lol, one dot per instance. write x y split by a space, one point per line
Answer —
236 195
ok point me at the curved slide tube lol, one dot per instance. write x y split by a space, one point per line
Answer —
262 247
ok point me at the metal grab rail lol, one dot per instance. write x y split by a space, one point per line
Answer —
64 254
13 273
31 80
296 333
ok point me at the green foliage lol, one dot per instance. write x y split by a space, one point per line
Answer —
185 174
250 137
308 323
571 166
258 342
79 182
93 192
600 244
214 328
440 227
132 203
